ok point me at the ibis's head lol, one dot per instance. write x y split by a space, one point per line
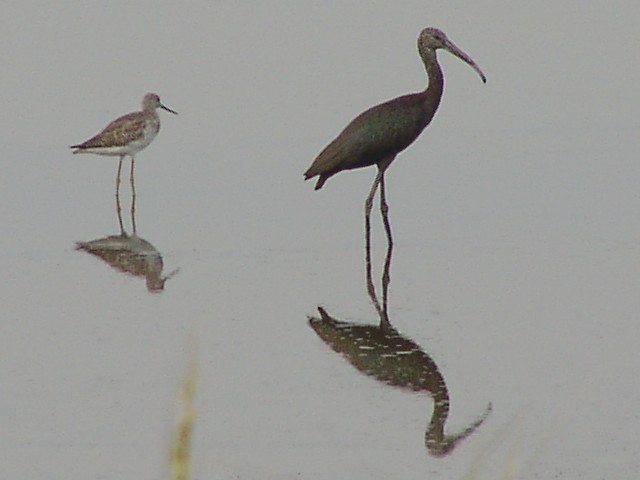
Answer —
431 39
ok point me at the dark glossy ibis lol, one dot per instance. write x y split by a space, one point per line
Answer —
377 135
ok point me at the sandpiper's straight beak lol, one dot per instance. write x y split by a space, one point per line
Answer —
451 47
168 109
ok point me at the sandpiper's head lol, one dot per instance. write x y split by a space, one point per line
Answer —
432 39
151 101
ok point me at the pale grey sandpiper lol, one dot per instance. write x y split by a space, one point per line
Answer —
127 135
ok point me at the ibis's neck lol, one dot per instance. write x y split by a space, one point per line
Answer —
433 93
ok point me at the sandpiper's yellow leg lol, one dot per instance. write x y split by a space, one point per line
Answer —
118 175
132 179
119 210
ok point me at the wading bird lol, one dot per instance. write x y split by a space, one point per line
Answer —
377 135
127 135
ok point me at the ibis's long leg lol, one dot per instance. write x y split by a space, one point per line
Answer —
386 276
371 289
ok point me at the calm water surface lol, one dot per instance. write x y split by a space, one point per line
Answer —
513 305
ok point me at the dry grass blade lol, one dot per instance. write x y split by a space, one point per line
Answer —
181 443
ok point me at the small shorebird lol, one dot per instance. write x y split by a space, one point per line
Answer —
127 135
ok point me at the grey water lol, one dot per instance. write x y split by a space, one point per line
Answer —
514 297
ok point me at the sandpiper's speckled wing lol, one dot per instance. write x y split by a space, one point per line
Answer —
119 133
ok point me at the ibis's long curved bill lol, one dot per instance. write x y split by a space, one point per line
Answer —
451 48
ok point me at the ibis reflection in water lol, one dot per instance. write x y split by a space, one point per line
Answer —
130 254
381 352
378 135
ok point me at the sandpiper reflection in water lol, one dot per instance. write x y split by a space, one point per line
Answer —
130 254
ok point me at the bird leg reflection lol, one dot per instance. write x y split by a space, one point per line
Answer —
119 212
133 214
